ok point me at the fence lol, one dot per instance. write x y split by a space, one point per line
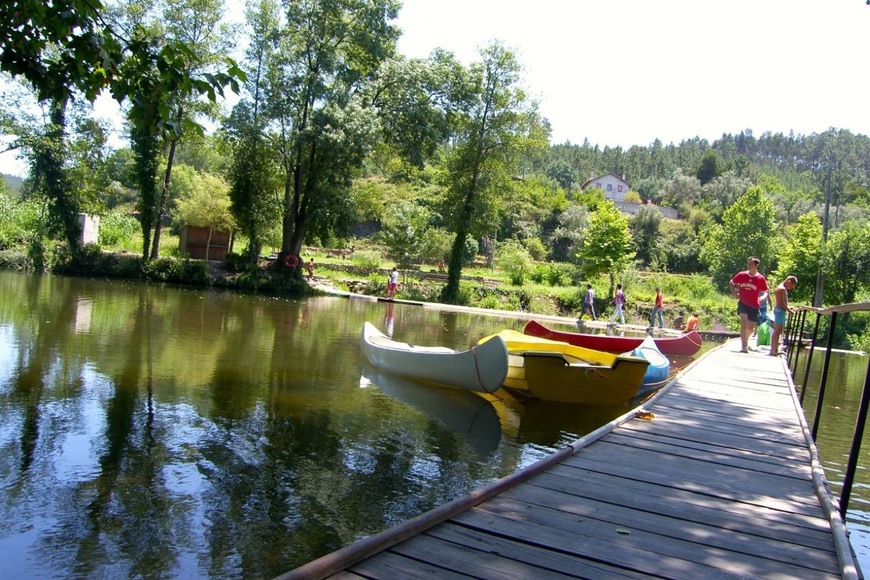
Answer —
798 339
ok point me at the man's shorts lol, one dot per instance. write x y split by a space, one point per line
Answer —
779 315
750 312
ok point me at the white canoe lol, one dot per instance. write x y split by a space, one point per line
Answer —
481 368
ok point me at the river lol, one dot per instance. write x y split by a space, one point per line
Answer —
154 431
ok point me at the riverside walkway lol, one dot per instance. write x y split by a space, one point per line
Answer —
714 477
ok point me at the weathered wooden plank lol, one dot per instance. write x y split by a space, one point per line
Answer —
605 547
700 439
669 526
547 559
756 463
777 430
734 484
476 563
390 565
815 530
614 542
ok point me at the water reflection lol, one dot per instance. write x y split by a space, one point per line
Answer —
846 375
154 431
461 411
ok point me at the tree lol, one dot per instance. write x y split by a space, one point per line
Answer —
254 166
709 169
801 255
404 230
494 129
607 245
196 25
320 123
567 237
747 229
681 191
847 262
644 226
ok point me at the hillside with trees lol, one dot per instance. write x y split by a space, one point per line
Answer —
336 133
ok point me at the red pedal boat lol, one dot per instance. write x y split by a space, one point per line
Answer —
686 345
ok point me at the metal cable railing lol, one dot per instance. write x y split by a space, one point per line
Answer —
797 339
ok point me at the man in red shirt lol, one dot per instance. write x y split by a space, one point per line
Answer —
746 287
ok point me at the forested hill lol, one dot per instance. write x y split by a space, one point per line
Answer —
798 161
13 182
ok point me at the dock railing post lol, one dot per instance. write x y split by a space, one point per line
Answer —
812 349
824 378
857 439
794 336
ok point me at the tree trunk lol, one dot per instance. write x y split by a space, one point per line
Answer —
161 207
208 242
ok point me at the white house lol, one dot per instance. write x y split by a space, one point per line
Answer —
614 186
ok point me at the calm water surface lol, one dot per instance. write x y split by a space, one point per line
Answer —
836 427
150 432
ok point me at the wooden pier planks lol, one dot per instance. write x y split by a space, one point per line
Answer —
717 484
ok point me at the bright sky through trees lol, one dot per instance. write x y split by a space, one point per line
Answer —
625 72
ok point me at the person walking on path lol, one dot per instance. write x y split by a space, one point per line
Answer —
588 303
310 269
747 286
780 311
619 301
392 283
658 310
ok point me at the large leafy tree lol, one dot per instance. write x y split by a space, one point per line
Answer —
645 226
801 255
494 128
847 262
254 167
607 247
73 48
748 229
320 124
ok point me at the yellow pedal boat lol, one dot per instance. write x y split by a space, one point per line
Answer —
550 370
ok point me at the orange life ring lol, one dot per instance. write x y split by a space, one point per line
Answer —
291 260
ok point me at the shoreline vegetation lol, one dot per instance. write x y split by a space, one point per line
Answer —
366 272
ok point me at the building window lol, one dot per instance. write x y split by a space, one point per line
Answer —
609 187
619 188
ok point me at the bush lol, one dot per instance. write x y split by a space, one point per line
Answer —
117 229
177 270
514 260
369 259
536 249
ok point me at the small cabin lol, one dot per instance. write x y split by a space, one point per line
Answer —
195 242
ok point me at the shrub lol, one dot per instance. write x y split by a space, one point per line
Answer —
369 259
536 249
117 229
515 261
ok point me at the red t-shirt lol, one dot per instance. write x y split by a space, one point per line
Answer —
749 287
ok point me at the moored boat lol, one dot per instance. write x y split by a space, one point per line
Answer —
684 345
659 365
556 371
482 368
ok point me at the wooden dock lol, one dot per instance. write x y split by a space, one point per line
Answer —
714 477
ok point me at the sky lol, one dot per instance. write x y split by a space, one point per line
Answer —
627 72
